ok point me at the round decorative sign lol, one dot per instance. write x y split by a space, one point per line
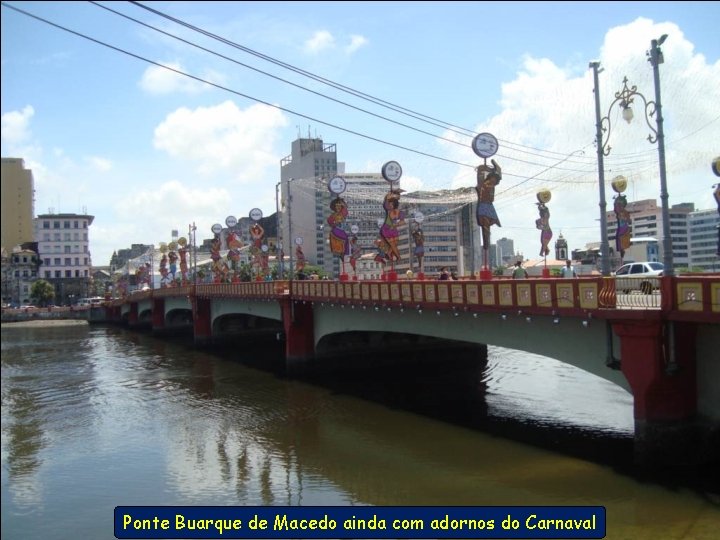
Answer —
299 241
256 214
544 196
380 222
418 217
485 145
716 166
619 184
217 228
337 185
354 229
392 171
264 248
182 241
231 221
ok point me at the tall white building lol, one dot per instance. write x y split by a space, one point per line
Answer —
64 251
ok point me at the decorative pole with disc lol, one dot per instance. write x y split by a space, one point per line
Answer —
485 145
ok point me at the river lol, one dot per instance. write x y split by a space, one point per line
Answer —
96 417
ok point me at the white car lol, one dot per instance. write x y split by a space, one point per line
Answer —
639 276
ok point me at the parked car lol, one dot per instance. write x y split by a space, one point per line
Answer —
639 276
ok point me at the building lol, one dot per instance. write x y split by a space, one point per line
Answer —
305 197
19 272
505 251
64 250
703 228
18 203
694 233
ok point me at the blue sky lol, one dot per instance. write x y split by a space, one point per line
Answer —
146 150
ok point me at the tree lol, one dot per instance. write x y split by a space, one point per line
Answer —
42 292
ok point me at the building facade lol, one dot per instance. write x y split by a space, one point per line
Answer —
64 250
694 233
305 199
18 203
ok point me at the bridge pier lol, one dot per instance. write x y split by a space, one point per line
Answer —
298 323
158 314
659 361
133 317
202 320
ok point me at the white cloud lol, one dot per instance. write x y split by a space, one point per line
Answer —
321 40
224 138
552 108
16 125
99 163
159 80
356 42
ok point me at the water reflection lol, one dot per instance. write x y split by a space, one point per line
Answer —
128 419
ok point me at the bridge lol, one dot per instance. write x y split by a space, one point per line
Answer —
663 347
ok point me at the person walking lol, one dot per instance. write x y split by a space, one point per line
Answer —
519 272
568 271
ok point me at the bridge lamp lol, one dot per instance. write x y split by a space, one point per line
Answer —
653 110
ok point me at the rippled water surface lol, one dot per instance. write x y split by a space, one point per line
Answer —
95 417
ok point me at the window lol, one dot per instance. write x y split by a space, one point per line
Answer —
57 261
68 273
56 224
66 224
58 274
48 274
67 261
46 224
46 262
76 224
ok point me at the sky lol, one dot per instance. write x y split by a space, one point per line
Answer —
154 120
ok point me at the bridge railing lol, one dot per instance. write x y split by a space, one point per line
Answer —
685 297
535 295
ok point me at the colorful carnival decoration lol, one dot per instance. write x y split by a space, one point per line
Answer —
299 255
394 218
183 254
339 240
234 244
486 145
355 250
622 216
543 224
219 268
716 194
172 259
258 248
419 239
164 277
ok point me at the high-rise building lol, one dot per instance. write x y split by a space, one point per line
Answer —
304 175
64 250
18 205
505 251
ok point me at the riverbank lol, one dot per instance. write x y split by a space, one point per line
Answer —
45 322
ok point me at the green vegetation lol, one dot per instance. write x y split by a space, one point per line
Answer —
42 292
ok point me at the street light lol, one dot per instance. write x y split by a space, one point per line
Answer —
625 97
278 244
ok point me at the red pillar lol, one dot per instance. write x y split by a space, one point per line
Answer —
158 313
133 315
202 320
298 321
658 360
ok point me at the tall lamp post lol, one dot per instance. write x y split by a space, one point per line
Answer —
278 234
625 97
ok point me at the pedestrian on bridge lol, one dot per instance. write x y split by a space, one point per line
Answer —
568 271
519 272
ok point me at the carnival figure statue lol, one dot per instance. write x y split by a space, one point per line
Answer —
419 239
543 222
394 218
487 178
339 241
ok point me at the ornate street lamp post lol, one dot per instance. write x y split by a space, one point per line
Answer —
625 97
